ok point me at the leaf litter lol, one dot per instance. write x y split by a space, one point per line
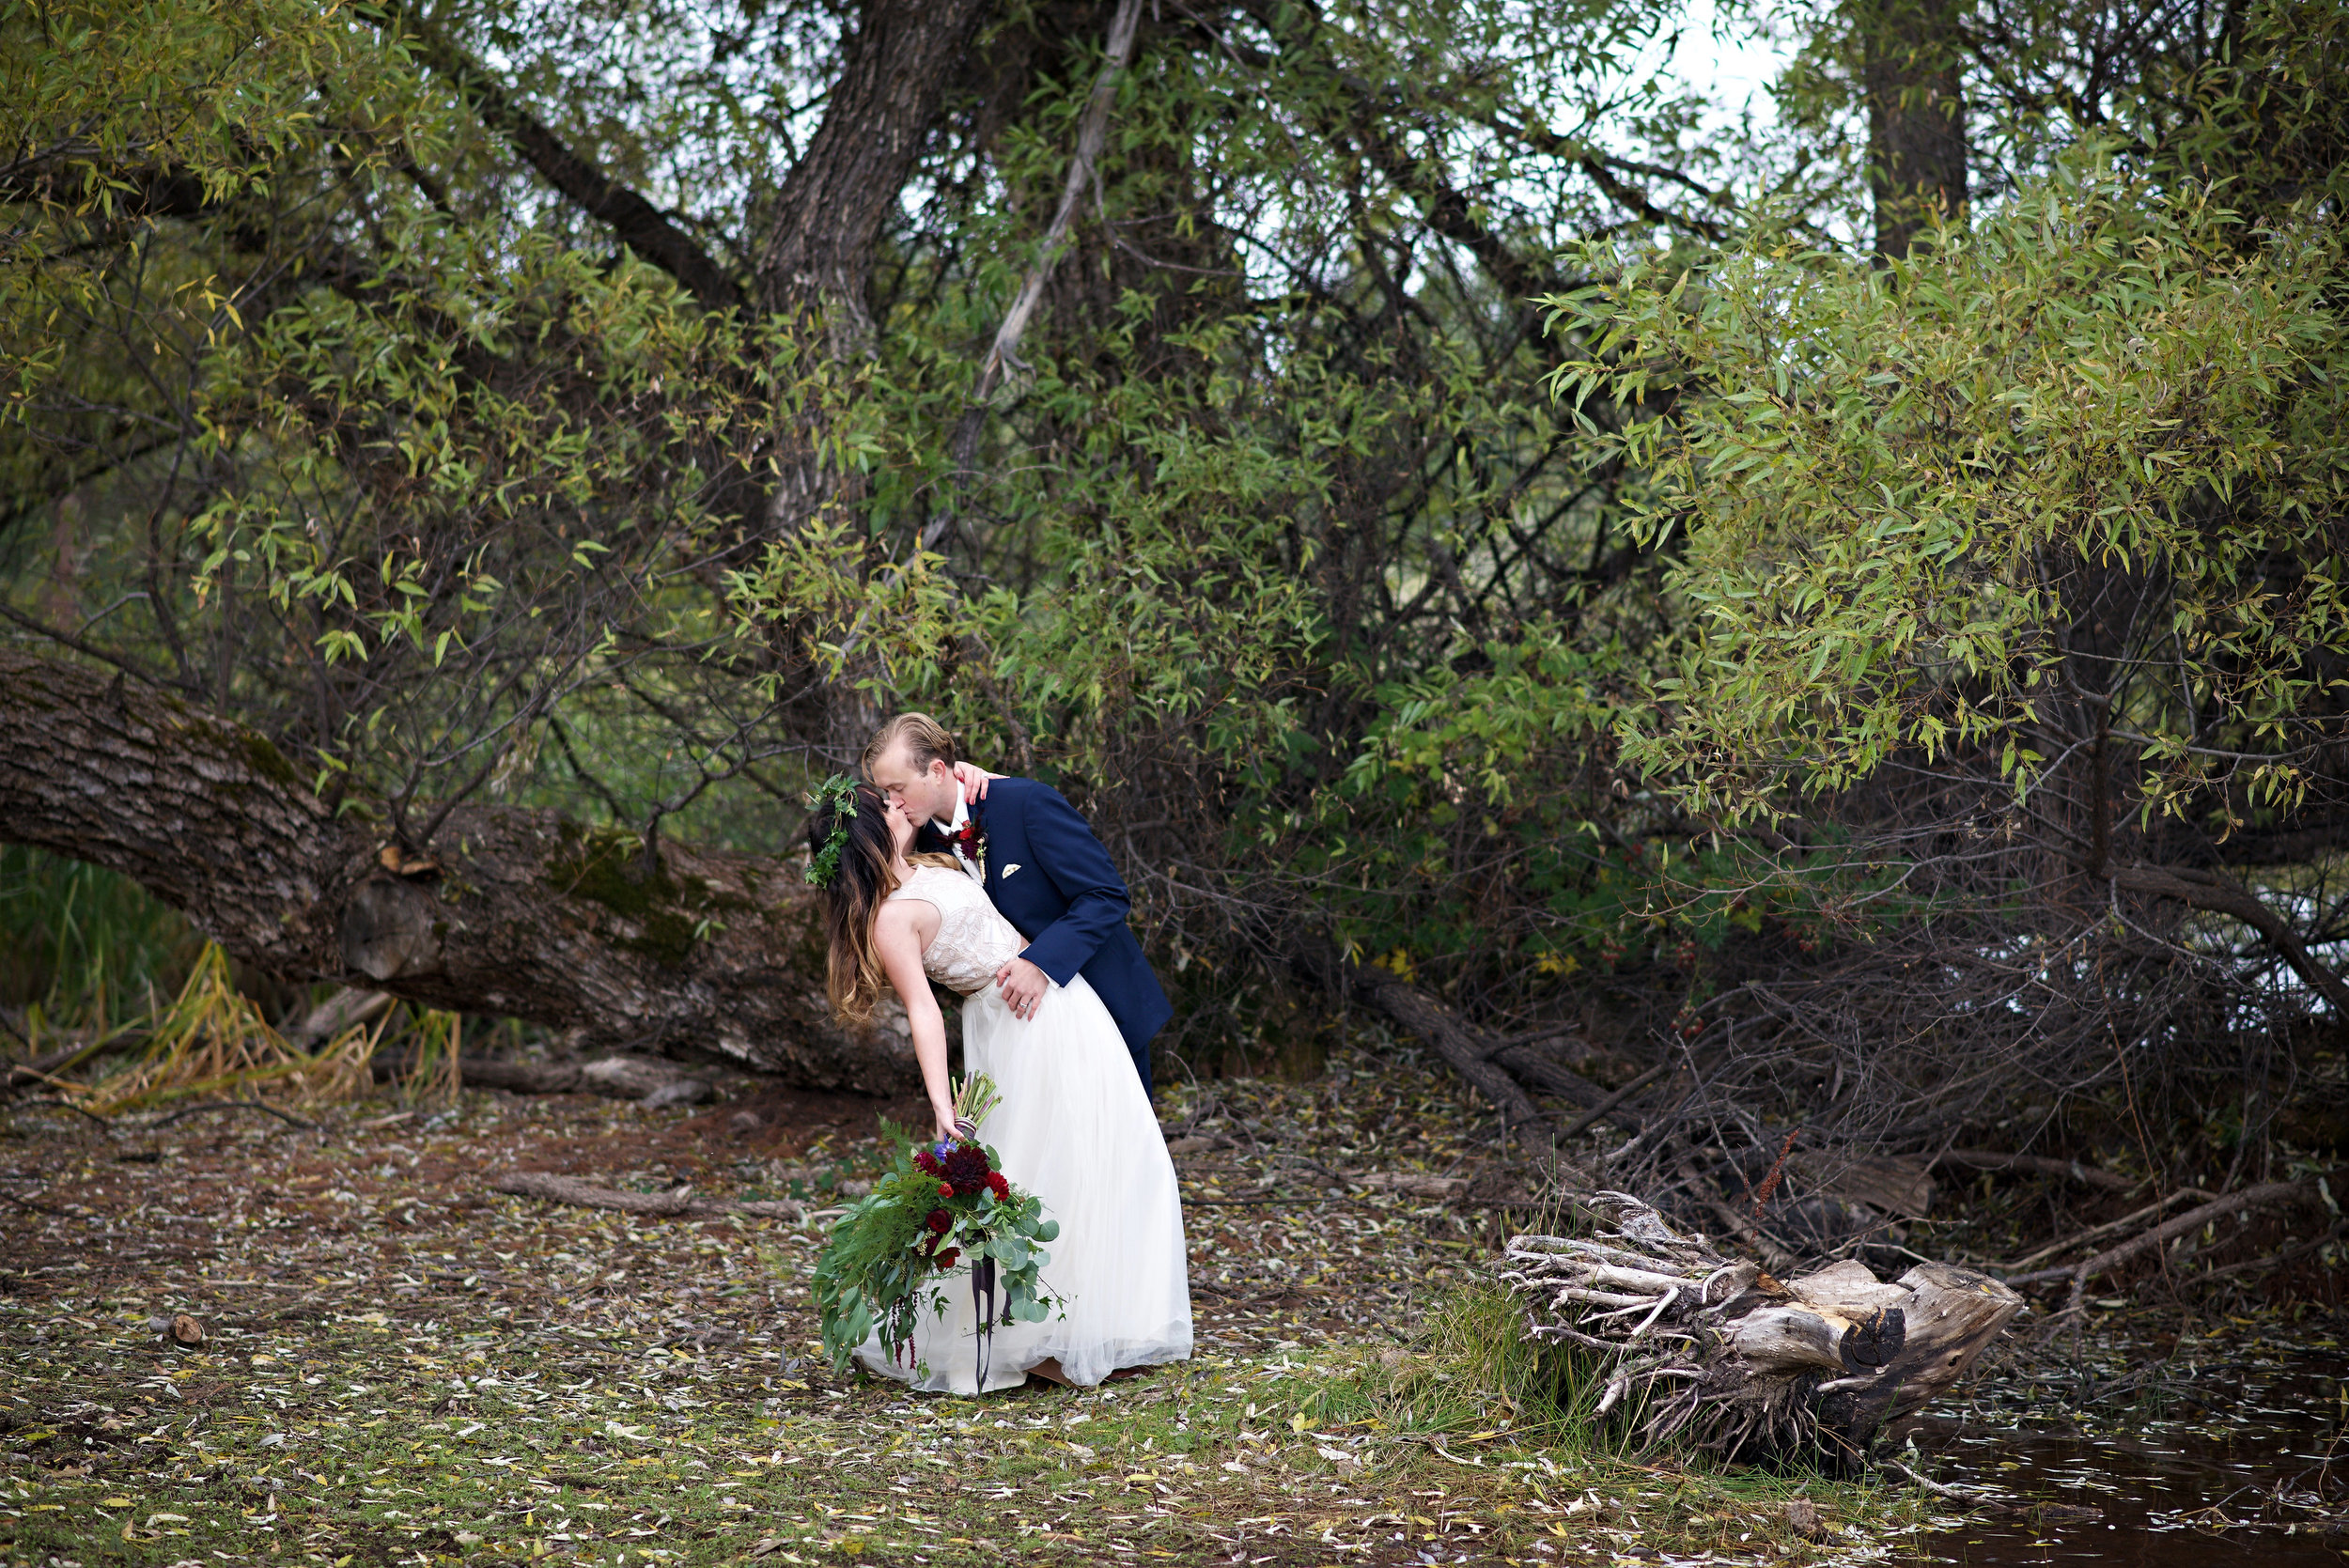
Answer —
397 1366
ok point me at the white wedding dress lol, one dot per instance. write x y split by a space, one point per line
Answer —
1076 1129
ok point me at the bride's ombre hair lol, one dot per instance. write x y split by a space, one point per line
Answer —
867 875
853 976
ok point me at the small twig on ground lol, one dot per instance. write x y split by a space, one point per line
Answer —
1936 1488
680 1206
290 1120
1611 1101
2273 1259
2041 1165
77 1109
36 1207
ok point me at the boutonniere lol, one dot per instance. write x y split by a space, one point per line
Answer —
969 842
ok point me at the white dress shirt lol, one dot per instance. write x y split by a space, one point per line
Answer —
954 829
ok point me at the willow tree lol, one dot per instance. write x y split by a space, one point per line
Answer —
2012 579
464 463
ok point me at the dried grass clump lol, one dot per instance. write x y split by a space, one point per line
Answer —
213 1040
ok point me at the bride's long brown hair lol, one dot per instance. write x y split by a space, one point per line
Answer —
866 874
853 976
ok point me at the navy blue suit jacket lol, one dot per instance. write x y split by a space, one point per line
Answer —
1052 879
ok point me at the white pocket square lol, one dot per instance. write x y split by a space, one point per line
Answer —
1009 869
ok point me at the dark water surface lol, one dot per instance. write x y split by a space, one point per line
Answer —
2236 1463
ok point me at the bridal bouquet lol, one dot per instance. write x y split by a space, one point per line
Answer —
941 1205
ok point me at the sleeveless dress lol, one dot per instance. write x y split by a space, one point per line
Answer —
1076 1129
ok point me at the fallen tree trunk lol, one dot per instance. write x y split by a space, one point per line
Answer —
679 1205
691 953
1465 1048
648 1080
1691 1344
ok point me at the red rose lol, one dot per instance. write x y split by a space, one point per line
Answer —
1000 1188
939 1220
946 1259
945 1189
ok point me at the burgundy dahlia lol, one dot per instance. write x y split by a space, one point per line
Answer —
966 1168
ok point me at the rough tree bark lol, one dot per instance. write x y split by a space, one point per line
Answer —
1694 1343
701 955
817 250
1909 71
523 913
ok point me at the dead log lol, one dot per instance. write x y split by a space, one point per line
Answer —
678 1204
2041 1165
700 955
1692 1345
2266 1195
615 1078
350 1006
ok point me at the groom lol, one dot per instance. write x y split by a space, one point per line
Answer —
1042 867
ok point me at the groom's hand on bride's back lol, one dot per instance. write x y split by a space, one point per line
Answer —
1023 986
974 780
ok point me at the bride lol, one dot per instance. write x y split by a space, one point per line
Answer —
1074 1126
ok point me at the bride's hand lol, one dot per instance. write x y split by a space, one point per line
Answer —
943 1122
974 780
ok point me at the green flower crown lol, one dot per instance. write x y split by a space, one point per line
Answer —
839 793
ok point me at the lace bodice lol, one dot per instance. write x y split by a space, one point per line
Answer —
974 940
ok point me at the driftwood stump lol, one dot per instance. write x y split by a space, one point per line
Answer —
1695 1343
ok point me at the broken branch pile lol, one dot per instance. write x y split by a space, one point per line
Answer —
1698 1345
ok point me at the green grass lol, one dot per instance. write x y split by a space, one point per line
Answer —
81 947
357 1442
406 1369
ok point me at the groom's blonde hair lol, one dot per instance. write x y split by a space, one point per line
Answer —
926 740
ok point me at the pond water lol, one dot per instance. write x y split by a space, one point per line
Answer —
2221 1465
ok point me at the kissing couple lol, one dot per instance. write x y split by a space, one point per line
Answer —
935 870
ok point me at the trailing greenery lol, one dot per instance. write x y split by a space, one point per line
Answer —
1897 480
940 1205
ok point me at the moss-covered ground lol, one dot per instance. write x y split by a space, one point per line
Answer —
402 1367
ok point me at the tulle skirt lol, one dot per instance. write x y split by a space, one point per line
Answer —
1076 1129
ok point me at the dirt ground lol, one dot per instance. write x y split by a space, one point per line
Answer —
401 1366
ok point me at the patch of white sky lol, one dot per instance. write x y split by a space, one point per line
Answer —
1730 59
1723 53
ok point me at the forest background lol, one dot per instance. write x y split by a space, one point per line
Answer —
1821 629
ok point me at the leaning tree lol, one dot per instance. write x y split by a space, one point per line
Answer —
461 461
467 469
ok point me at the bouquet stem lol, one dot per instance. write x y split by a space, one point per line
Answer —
983 1305
974 1097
